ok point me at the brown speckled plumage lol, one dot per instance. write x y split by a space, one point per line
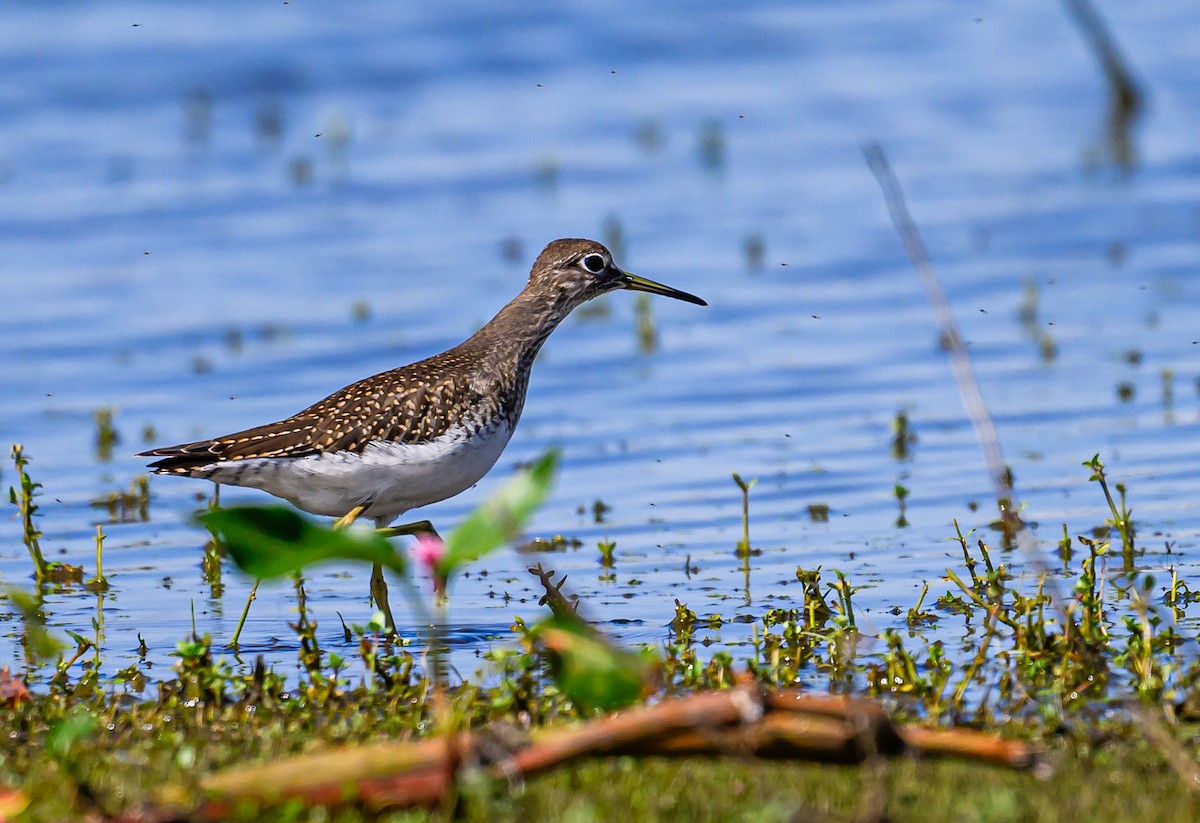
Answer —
411 404
476 386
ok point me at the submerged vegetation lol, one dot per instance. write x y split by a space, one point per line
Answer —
1089 662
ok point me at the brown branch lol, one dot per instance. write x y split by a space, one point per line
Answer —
873 728
741 722
776 737
969 745
918 740
629 729
624 733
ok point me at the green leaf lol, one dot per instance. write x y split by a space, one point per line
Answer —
500 518
593 672
41 643
275 541
81 641
77 726
744 485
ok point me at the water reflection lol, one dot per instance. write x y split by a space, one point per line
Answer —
207 225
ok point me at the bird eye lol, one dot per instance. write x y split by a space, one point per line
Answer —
593 263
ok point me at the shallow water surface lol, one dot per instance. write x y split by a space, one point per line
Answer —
213 216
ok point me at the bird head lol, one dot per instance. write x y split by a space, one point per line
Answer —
575 271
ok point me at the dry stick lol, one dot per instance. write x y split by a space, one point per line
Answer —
869 714
969 745
776 736
965 743
323 777
403 773
785 724
699 712
960 362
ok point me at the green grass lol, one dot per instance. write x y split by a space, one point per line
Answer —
1120 782
1124 782
1124 779
1089 663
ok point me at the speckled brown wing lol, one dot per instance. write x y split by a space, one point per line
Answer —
408 405
287 438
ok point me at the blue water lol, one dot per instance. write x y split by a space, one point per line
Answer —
198 204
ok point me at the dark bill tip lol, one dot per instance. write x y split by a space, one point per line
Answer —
635 283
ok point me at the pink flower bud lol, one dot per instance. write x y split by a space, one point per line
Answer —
429 551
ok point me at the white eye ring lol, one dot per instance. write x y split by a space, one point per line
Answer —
593 263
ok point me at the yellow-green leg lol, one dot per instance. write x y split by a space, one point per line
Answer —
379 590
350 517
379 587
377 572
379 594
419 527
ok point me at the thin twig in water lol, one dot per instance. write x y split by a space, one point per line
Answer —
960 361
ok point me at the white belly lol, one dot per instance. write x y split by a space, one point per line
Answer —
389 478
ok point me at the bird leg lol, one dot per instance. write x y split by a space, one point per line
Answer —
379 588
379 593
350 517
419 527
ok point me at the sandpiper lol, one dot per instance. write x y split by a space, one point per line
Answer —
421 433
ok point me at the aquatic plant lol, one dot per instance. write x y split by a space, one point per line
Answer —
22 496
